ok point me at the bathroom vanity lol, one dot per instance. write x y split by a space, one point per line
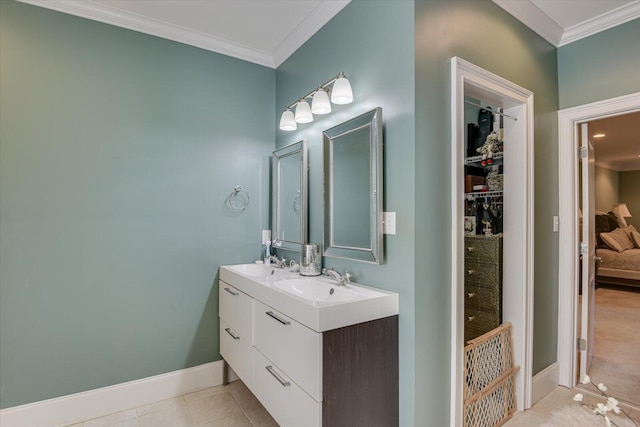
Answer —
314 353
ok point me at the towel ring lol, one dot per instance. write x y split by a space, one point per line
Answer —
237 191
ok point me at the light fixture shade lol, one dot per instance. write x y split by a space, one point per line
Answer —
622 210
303 112
287 121
341 91
320 103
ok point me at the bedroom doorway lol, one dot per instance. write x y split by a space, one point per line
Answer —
610 304
569 315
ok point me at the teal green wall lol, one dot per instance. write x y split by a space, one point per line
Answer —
602 66
372 42
117 152
484 34
630 194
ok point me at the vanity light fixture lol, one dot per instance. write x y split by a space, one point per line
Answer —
337 91
599 135
288 121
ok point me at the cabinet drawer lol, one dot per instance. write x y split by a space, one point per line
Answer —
481 274
480 320
237 352
487 249
289 405
290 345
236 309
482 298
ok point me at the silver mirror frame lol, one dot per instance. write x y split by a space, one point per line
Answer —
375 253
296 148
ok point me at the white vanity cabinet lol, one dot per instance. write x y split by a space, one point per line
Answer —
345 376
236 330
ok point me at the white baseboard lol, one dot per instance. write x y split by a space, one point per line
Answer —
96 403
544 382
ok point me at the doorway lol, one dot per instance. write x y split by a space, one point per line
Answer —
470 81
614 301
569 278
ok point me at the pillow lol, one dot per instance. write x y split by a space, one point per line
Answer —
613 221
618 240
622 223
602 226
635 237
630 229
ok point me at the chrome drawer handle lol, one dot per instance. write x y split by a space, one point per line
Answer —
284 322
471 272
471 318
234 336
235 294
471 248
471 295
276 376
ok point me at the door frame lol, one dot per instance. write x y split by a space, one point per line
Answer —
518 102
568 120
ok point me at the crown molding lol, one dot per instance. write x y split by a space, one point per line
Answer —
603 22
132 21
530 15
321 14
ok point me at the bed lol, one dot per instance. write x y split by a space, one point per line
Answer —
619 263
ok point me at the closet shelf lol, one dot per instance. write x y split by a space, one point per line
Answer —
482 194
478 159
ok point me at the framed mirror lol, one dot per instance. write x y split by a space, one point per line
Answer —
289 196
353 189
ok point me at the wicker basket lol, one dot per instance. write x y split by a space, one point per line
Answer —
489 389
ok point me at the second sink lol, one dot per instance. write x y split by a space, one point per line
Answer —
317 291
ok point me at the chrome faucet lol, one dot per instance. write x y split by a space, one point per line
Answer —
279 263
341 280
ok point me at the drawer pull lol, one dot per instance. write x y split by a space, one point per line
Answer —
471 318
471 295
471 272
276 376
235 294
471 248
284 322
234 336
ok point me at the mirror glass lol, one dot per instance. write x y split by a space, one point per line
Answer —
353 189
289 201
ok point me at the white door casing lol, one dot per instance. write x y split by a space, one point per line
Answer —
568 120
587 250
468 79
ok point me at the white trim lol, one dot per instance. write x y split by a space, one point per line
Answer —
625 13
322 13
568 119
544 382
518 102
101 12
96 403
531 16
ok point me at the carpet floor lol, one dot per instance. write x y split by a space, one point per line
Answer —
616 359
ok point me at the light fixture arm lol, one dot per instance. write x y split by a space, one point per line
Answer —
313 92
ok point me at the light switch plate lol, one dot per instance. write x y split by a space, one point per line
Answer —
389 222
556 224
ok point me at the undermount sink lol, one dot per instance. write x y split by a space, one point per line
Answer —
319 292
254 270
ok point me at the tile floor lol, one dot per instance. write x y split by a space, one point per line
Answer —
235 406
543 411
232 405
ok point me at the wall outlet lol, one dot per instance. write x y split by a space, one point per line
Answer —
389 222
266 236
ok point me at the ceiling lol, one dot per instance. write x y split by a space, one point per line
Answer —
619 149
